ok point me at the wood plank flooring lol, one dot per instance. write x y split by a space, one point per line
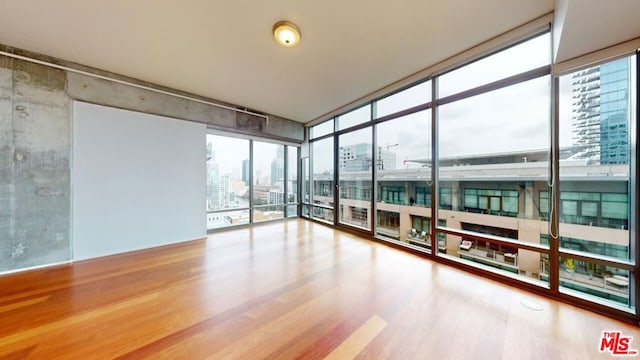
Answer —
284 290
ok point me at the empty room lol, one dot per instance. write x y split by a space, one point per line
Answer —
319 180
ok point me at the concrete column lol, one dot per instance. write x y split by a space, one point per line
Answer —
529 261
405 222
35 138
455 196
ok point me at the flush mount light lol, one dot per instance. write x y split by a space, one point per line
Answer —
286 33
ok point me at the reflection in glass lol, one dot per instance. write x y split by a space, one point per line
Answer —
355 167
388 224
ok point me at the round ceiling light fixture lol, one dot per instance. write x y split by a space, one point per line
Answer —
286 33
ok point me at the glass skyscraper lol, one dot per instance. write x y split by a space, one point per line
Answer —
601 111
614 112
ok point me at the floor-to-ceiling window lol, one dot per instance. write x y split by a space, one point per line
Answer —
543 196
596 111
292 182
322 189
355 163
244 185
228 181
403 177
268 181
494 121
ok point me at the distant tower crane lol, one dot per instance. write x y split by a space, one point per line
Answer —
380 160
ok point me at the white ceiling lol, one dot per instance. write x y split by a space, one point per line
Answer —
590 25
224 49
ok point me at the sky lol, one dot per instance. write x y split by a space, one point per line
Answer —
230 152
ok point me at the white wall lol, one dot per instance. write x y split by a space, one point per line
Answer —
138 181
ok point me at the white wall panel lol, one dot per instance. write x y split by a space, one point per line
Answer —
138 181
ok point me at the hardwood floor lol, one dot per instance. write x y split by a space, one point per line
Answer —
283 291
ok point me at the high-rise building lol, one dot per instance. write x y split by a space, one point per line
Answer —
600 113
386 159
218 185
277 167
614 112
357 157
245 172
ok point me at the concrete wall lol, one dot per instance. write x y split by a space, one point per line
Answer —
35 137
35 146
105 92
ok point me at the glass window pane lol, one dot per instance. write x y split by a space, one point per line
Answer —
321 129
265 213
483 202
526 56
594 281
355 159
510 204
306 183
595 167
403 173
322 173
268 173
623 198
615 210
292 210
322 214
569 208
470 200
355 117
497 144
543 198
292 174
223 219
227 173
589 209
405 99
495 203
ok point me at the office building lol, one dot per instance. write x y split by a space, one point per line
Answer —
601 106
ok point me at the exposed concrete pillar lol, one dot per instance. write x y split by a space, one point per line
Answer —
405 223
455 196
35 138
